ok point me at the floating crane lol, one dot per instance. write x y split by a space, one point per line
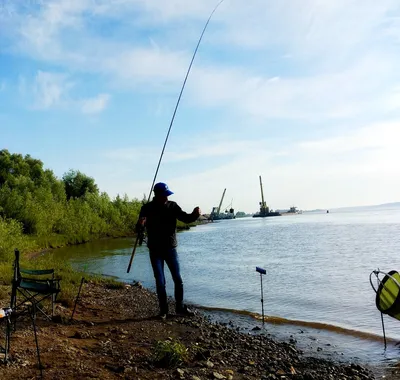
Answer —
216 211
264 209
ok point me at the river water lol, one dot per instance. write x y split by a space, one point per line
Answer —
317 280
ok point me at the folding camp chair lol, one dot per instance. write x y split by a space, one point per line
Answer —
31 291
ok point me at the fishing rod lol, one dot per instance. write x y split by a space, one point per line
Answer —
140 235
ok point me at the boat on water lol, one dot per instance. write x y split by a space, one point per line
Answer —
223 215
216 213
265 211
292 211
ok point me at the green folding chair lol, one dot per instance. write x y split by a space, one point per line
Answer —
30 288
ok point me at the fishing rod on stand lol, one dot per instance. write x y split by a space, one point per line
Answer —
262 271
140 234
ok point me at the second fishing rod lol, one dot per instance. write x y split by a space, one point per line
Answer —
139 236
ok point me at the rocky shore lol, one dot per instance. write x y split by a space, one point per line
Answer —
115 334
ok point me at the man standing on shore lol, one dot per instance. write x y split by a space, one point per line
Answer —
159 217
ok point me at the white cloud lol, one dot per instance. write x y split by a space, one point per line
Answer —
370 152
311 27
197 149
377 136
341 85
54 90
147 66
50 90
96 104
157 11
308 28
346 93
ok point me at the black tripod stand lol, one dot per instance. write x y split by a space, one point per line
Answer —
262 271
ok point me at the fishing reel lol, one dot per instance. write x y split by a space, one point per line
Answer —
141 231
387 291
142 237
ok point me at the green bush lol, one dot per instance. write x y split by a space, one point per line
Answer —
169 353
11 236
72 207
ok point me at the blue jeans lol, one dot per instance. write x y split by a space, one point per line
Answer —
169 256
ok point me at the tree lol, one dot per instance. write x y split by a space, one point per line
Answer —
78 184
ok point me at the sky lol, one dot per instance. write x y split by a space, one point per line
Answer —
305 93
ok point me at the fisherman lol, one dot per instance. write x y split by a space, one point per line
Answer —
159 218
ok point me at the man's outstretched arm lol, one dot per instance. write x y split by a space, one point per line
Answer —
188 218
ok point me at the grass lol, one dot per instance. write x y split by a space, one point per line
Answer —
51 241
169 353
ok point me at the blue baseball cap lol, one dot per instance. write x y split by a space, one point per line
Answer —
161 188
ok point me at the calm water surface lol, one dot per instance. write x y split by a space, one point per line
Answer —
318 268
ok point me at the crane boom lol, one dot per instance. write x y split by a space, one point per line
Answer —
263 206
264 209
262 193
220 203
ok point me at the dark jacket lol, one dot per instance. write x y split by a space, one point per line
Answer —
161 223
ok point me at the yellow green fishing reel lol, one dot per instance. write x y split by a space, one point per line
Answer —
387 294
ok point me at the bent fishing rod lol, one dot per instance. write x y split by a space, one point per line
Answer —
138 237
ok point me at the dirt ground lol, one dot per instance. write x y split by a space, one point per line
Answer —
114 334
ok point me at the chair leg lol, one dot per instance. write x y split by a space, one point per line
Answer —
77 298
33 317
53 304
13 300
8 339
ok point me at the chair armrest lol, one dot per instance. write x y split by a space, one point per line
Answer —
53 283
37 272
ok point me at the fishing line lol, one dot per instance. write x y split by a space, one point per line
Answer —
172 121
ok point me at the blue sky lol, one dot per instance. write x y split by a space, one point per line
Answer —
304 93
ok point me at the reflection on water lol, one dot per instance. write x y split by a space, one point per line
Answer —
318 268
